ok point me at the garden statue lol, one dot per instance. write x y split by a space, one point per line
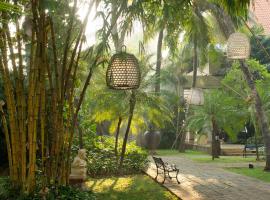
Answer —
78 167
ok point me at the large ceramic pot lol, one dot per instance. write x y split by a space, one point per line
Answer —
152 139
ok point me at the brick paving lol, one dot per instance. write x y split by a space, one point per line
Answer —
202 181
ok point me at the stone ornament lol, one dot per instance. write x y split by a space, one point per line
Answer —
79 166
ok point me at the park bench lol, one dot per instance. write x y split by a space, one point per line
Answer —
165 169
251 149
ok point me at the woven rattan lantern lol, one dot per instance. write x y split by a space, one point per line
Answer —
196 97
238 46
123 72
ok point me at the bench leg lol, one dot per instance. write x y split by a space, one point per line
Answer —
177 177
156 175
169 175
164 177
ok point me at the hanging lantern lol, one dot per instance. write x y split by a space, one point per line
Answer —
196 97
123 72
238 46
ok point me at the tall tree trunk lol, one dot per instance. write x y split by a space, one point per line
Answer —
256 144
159 61
261 117
132 106
195 62
182 144
215 143
117 137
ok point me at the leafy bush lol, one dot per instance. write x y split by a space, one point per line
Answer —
60 193
102 159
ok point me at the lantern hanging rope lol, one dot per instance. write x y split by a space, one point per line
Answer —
238 46
123 72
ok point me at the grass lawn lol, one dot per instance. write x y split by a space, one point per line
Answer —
137 187
224 159
255 173
203 157
169 152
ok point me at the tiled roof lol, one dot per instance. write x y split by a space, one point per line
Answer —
261 12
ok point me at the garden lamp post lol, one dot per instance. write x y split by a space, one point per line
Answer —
123 73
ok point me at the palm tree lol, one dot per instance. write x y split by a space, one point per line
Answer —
115 106
197 33
235 79
172 77
218 112
163 18
261 118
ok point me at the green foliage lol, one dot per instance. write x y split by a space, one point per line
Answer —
11 8
221 107
60 193
257 52
70 193
236 8
102 160
105 104
236 87
232 105
167 137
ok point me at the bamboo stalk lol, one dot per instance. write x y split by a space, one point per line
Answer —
57 86
22 107
11 108
78 42
65 57
6 132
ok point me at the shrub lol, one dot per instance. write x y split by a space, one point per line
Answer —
60 193
102 160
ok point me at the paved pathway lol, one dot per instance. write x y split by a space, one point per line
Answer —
202 181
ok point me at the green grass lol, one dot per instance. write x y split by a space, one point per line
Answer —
203 157
224 159
257 173
137 187
169 152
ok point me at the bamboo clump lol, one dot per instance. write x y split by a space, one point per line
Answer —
37 90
